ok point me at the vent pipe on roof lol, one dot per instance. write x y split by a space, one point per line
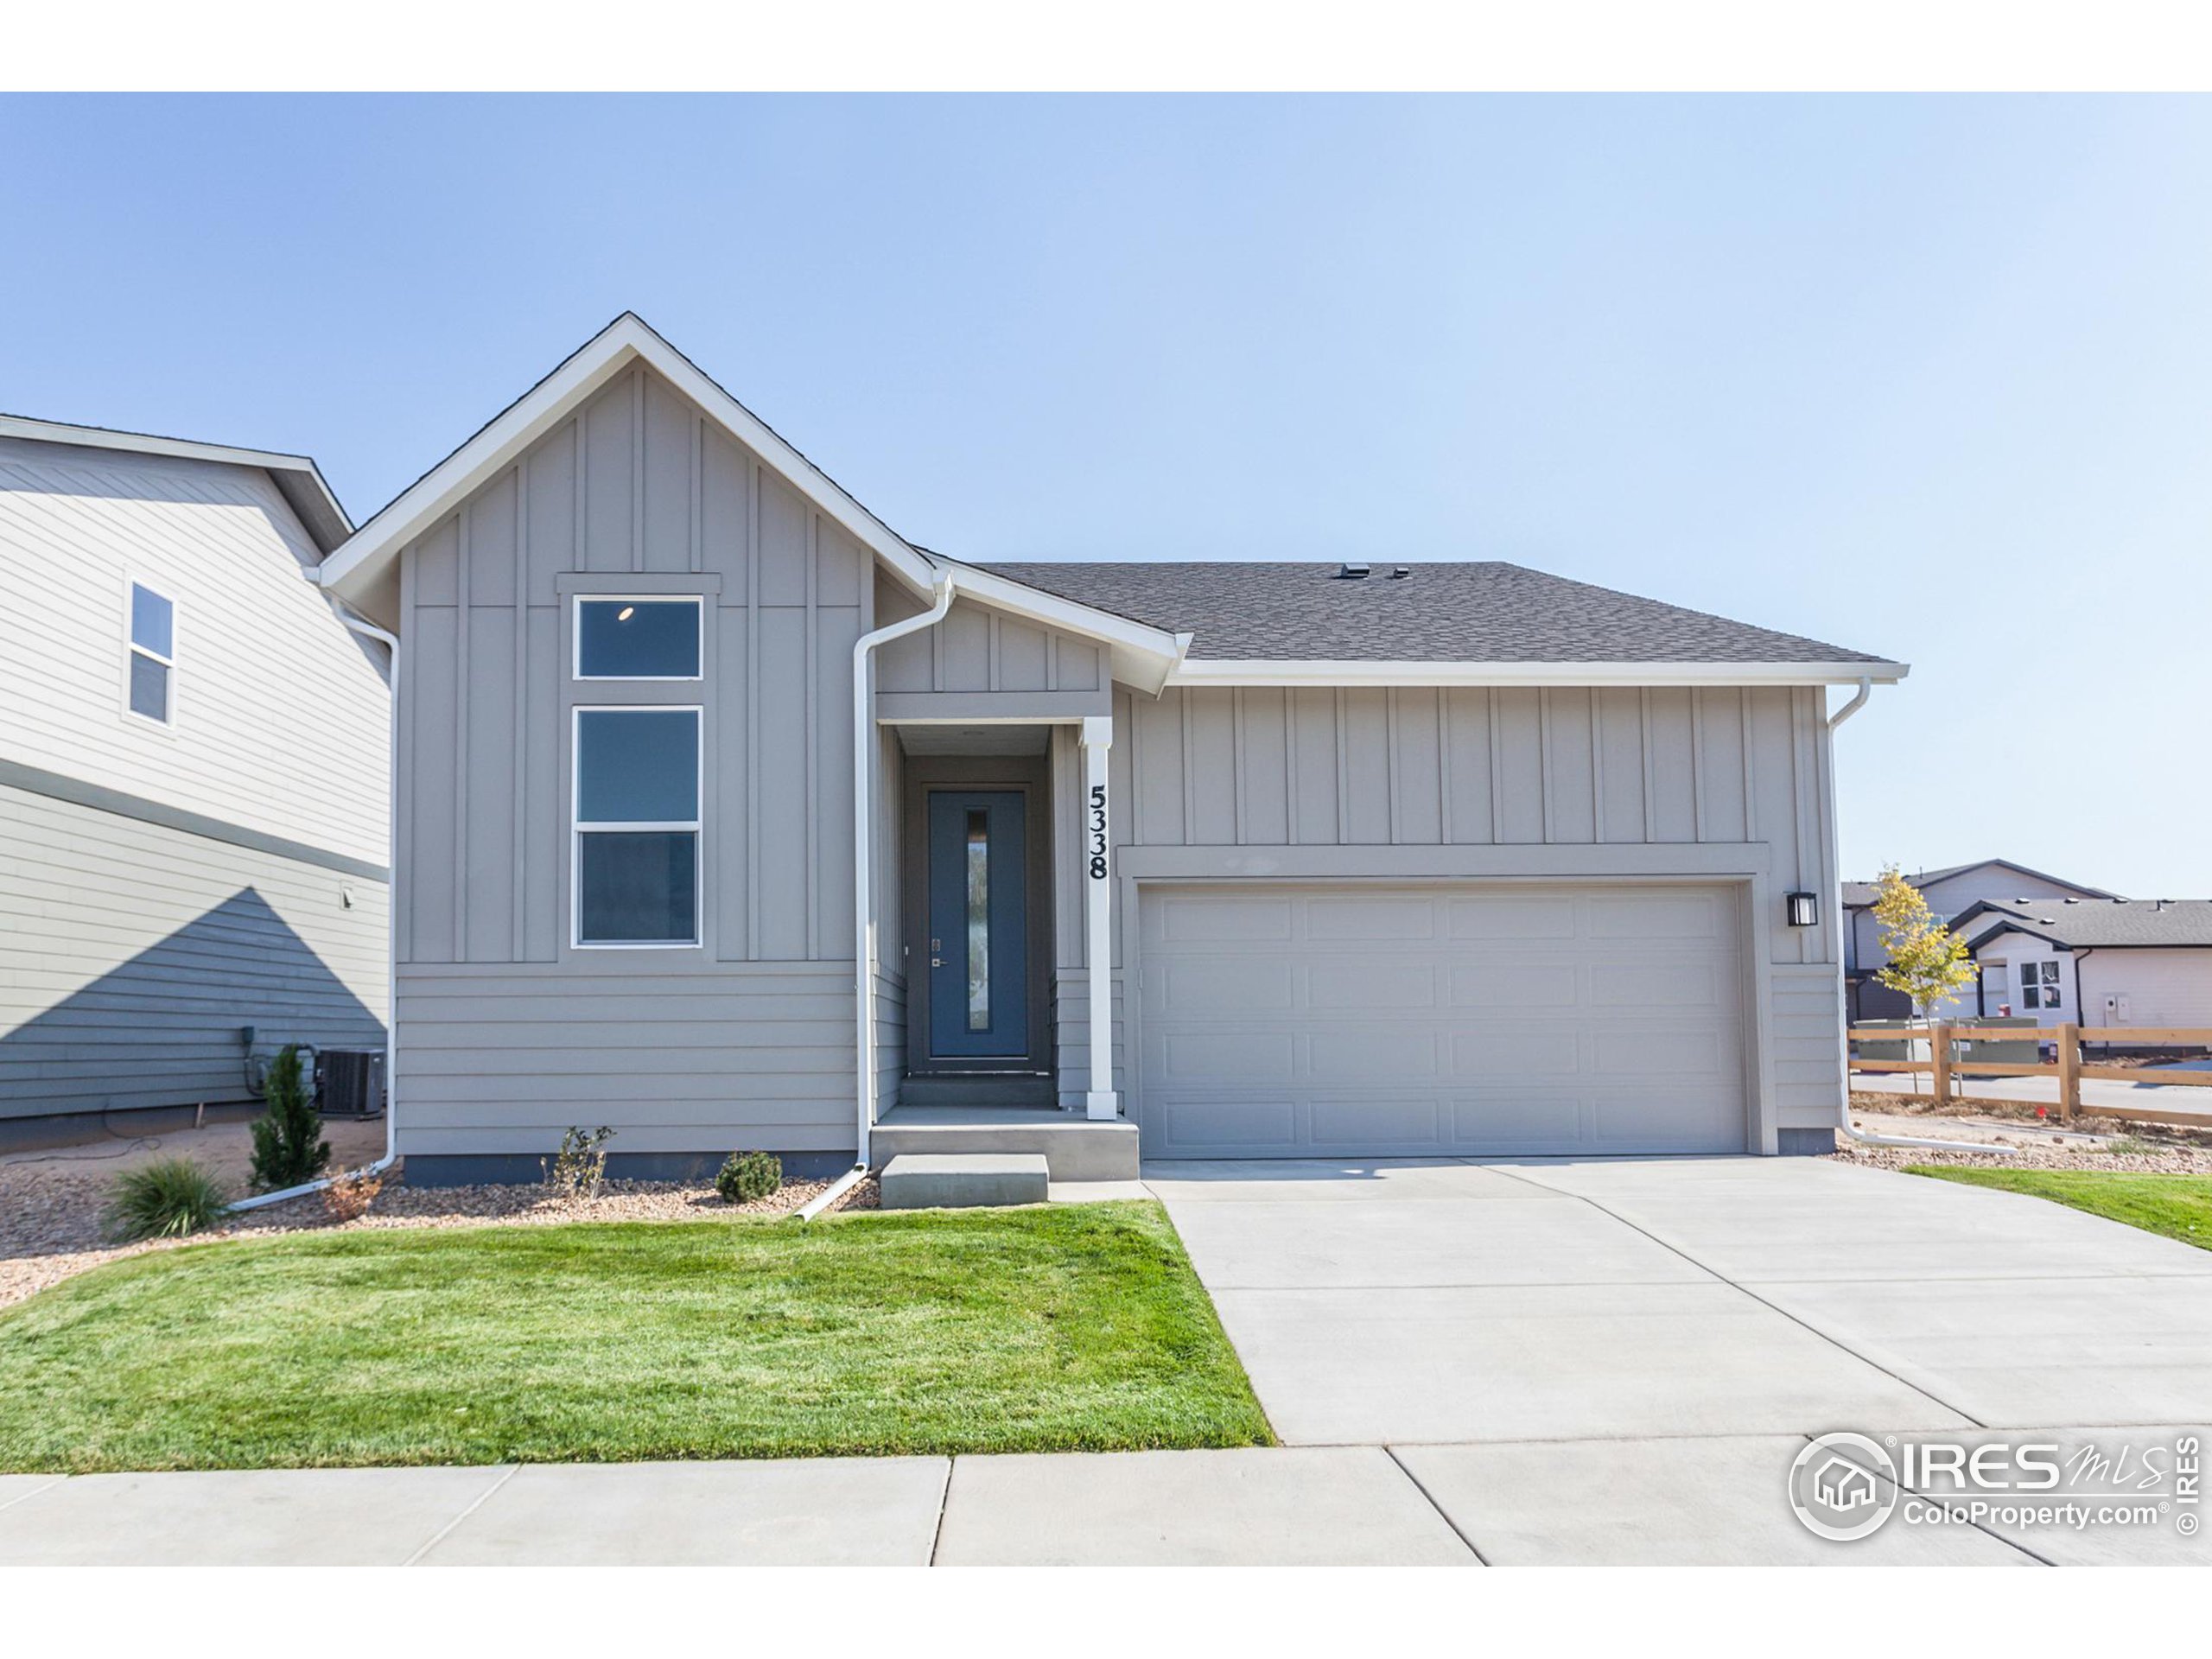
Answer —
1351 572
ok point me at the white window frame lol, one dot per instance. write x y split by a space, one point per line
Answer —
576 601
131 648
578 828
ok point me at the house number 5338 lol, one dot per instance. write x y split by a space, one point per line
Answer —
1098 832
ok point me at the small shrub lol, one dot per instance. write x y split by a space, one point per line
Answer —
166 1199
579 1168
2131 1146
350 1194
288 1149
749 1175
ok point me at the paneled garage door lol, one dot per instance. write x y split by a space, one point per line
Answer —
1351 1019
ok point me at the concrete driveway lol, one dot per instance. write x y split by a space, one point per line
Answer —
1559 1352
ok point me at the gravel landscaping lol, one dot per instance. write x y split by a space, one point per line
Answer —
51 1203
2021 1140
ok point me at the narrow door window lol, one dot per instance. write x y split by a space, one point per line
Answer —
637 827
152 654
978 919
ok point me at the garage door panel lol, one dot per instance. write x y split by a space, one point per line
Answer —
1376 1055
1523 985
1321 1021
1510 917
1528 1119
1191 919
1406 919
1226 986
1625 987
1212 1124
1369 1122
1660 1053
1521 1052
1228 1058
1379 986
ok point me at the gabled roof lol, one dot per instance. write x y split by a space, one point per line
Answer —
364 562
297 479
1283 622
2095 924
1865 892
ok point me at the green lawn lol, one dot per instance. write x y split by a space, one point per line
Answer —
1060 1327
2180 1206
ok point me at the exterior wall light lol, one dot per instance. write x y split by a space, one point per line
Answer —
1804 909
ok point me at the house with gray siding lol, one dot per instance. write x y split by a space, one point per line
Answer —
730 818
194 780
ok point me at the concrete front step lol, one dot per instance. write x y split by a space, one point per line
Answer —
920 1180
1074 1147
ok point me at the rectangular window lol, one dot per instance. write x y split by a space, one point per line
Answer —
639 639
637 827
152 656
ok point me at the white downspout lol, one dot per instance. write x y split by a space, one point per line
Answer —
1842 996
369 629
864 873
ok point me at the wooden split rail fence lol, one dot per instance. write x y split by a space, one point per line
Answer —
2067 1065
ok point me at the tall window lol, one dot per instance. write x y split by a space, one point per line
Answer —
639 639
636 857
152 653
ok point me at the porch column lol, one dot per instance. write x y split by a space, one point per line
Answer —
1100 1102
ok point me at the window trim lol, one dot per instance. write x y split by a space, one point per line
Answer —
131 584
578 828
576 602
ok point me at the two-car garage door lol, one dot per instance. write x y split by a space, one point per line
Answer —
1352 1019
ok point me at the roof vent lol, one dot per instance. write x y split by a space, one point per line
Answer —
1399 573
1351 572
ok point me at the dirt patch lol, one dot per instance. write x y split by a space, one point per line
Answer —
2019 1139
51 1201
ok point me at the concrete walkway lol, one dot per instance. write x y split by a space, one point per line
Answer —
1540 1362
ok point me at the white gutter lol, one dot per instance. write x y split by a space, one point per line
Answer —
392 941
864 871
1843 999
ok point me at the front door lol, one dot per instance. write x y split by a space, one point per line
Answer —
978 925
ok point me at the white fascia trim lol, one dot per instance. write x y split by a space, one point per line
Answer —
1222 671
1148 644
144 443
625 341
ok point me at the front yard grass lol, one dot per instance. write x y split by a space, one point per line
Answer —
1067 1327
2179 1206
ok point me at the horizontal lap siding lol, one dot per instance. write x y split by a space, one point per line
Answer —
131 954
674 1061
677 1050
280 714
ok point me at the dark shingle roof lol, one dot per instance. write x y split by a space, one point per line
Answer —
1866 893
2093 924
1474 612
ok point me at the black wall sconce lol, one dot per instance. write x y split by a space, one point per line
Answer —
1804 909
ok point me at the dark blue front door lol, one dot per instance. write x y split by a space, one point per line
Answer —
979 925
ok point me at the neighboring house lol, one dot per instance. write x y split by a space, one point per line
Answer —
1252 859
194 778
1949 891
2145 963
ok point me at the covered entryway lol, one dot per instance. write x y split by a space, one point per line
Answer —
1360 1019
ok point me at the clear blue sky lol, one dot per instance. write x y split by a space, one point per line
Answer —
1931 377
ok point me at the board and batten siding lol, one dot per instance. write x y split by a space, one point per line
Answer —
1256 768
509 1035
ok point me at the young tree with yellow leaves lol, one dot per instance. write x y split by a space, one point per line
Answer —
1928 962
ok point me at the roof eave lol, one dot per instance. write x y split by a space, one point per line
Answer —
1143 656
1260 671
297 478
